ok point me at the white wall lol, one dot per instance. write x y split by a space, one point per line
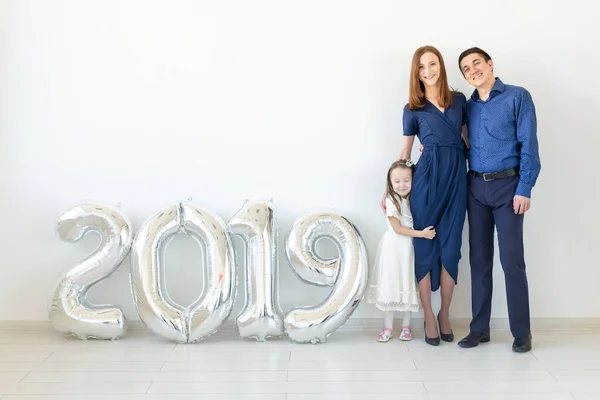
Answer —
145 103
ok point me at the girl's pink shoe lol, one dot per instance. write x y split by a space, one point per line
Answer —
385 335
406 333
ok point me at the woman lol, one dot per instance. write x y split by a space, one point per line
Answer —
439 196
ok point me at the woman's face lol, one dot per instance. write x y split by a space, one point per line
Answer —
429 69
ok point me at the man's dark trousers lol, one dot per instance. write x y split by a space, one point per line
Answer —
490 203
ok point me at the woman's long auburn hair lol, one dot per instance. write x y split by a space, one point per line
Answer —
416 97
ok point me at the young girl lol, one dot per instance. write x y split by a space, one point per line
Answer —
392 281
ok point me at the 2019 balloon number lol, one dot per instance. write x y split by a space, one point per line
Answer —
261 316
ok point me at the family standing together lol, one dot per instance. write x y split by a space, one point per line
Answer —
479 160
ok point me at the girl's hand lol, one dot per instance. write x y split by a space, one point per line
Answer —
428 233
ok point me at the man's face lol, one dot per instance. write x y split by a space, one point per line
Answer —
476 71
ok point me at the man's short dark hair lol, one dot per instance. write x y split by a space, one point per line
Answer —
473 50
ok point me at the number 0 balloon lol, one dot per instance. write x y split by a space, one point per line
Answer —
203 317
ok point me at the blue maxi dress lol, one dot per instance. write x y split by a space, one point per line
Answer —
439 190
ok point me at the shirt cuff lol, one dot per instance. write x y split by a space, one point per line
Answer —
523 189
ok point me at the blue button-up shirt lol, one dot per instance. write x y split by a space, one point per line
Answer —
503 134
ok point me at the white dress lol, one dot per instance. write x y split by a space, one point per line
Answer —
392 281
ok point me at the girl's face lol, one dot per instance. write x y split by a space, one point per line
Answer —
429 69
401 181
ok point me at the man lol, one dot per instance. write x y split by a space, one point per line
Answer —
504 165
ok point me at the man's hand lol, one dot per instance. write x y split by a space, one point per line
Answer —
422 148
521 204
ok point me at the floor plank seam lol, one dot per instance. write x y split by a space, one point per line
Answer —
552 375
23 378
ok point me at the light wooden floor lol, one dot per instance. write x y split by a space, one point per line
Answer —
42 364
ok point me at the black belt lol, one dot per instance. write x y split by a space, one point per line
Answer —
490 176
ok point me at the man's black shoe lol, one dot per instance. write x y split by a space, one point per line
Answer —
473 339
522 344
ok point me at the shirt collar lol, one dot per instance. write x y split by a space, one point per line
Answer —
497 88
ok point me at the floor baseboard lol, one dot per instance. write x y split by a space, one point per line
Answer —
366 324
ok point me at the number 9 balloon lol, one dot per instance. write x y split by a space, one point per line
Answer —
348 274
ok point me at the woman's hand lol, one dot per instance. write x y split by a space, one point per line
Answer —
383 202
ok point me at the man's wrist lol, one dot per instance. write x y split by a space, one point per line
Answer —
524 190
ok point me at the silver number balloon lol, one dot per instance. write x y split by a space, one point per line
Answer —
70 312
205 315
348 274
261 316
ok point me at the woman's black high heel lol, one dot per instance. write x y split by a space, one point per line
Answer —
446 337
428 340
